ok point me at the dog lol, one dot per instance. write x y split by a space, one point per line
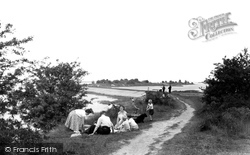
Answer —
140 119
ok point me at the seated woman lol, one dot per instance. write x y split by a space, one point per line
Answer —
122 113
124 126
76 118
103 126
133 125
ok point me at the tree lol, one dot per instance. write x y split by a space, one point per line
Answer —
145 81
230 79
11 72
116 81
51 93
227 95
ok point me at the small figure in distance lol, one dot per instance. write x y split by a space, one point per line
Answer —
169 89
163 89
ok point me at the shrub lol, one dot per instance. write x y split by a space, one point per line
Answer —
12 70
230 121
157 98
227 95
51 92
11 132
230 78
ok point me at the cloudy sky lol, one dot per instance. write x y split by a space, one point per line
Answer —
128 39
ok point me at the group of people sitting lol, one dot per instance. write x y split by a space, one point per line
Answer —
104 125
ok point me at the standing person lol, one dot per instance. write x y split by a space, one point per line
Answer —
76 118
103 126
122 113
169 89
163 89
133 104
150 109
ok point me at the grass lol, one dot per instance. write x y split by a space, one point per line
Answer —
193 142
105 144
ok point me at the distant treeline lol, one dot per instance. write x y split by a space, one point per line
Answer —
135 81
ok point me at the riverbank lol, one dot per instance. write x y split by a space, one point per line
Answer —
137 91
106 144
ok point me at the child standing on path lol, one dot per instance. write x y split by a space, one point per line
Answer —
150 109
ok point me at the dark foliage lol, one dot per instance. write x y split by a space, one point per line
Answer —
51 93
230 78
11 71
157 97
227 96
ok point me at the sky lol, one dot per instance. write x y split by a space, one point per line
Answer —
129 39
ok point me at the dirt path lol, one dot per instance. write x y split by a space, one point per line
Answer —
150 141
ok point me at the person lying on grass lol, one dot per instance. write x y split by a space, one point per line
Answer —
76 118
103 126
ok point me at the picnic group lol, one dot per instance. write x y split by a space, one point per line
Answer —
103 125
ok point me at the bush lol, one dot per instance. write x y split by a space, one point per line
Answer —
157 98
12 72
51 92
231 121
227 95
11 132
230 78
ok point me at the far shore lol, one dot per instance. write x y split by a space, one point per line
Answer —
136 91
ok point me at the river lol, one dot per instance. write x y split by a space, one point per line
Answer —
138 91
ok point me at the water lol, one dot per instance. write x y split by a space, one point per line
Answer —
195 86
138 91
110 91
96 99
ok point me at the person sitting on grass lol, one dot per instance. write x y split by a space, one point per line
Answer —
76 118
133 125
122 113
150 109
103 126
124 126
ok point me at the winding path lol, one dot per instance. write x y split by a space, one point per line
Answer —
150 141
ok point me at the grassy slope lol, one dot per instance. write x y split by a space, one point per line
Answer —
193 142
105 144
